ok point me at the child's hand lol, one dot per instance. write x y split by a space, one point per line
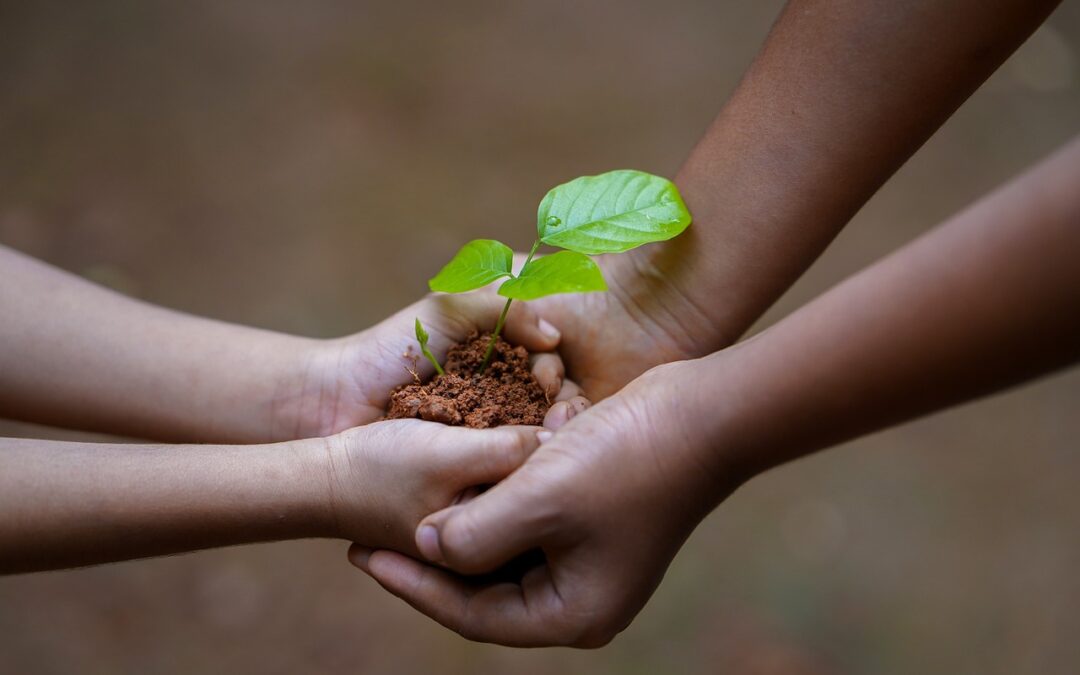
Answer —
383 478
347 382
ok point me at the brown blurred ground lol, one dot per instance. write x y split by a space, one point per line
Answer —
306 166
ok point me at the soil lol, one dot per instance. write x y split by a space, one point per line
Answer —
507 392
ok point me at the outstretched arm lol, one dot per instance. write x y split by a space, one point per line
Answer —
78 355
840 95
990 299
73 504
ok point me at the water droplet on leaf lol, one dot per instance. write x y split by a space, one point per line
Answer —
553 221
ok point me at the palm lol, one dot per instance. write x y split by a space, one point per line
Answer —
608 339
350 379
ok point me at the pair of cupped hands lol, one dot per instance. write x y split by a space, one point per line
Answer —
608 492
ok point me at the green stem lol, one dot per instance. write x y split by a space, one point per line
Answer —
495 336
431 357
502 317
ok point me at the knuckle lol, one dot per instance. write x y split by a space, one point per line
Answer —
510 451
457 540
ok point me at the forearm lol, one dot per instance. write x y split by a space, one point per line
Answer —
840 95
988 300
74 504
77 355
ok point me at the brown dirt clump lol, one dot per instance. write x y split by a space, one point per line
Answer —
507 392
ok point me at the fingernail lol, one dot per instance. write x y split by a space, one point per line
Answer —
549 331
544 435
427 540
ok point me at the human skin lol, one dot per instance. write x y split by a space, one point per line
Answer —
81 356
72 504
838 98
988 300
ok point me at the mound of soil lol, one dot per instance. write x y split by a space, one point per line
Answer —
507 392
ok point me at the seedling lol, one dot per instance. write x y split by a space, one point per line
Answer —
422 338
609 213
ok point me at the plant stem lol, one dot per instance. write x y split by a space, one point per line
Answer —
431 357
495 336
502 317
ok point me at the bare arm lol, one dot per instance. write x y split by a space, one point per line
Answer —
77 355
990 299
73 504
840 95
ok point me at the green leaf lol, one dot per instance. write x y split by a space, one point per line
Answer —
562 272
422 337
613 212
421 334
477 264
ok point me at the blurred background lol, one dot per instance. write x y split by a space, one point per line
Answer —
305 167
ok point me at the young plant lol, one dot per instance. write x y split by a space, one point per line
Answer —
609 213
422 337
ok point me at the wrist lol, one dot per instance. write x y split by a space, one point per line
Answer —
749 412
649 284
712 442
297 396
310 484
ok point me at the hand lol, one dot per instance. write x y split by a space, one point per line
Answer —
344 383
642 321
65 504
609 499
383 478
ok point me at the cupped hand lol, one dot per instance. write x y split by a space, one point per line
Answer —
642 321
383 478
346 382
609 499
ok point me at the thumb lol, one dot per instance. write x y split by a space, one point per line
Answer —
525 327
481 535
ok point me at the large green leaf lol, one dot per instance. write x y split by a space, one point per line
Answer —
477 264
562 272
615 211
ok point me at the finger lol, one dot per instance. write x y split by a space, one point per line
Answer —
358 555
557 415
569 390
508 614
525 327
467 495
548 369
487 532
484 456
564 411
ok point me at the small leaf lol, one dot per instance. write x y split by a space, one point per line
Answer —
421 334
422 337
613 212
562 272
477 264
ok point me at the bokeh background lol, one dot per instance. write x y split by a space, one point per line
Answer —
306 166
